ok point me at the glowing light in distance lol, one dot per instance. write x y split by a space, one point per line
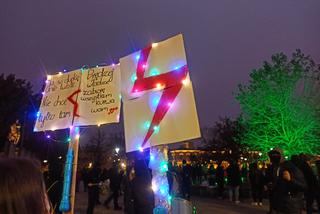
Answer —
123 165
154 45
99 125
69 139
90 165
113 64
140 149
60 157
97 66
48 136
43 93
64 70
49 77
60 73
38 113
45 161
260 153
117 149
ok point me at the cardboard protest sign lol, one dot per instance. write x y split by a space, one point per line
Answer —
99 99
80 98
159 105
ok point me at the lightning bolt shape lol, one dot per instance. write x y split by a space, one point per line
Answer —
171 82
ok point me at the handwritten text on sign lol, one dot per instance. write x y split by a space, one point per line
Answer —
80 98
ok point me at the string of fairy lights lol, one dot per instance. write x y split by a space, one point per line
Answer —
158 161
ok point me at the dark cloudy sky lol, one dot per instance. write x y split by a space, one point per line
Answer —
224 39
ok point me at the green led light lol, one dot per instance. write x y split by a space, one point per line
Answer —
154 72
133 77
156 129
146 125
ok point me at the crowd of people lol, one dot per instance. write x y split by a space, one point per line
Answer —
133 182
289 185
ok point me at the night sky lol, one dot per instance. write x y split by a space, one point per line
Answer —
224 40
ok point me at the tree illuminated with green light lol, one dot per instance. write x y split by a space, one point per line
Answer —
280 106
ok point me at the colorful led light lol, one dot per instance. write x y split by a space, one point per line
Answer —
154 188
133 77
154 72
159 86
146 124
156 129
185 81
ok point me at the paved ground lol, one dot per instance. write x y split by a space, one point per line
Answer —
203 205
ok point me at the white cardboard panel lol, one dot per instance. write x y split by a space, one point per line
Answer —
179 124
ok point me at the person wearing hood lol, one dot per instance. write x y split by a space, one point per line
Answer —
143 198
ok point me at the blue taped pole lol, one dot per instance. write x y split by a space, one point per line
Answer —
65 201
70 172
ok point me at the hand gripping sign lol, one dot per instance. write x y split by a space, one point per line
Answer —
159 105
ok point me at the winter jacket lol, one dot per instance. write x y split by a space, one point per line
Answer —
288 195
234 176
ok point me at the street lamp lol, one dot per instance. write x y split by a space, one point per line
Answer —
117 149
